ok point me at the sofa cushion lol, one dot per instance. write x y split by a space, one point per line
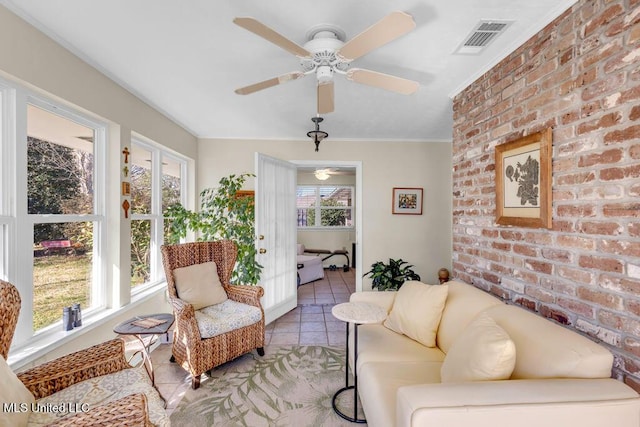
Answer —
100 390
383 299
224 317
417 310
199 285
547 350
379 344
483 352
13 391
309 268
464 302
378 385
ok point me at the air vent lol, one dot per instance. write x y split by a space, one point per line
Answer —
484 33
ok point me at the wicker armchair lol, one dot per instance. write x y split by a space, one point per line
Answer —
190 350
60 373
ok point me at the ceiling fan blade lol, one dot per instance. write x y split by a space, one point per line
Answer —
269 83
325 98
387 29
383 81
258 28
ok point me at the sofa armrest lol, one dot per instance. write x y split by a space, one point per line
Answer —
383 299
525 403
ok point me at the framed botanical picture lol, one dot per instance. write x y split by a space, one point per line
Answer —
407 201
523 181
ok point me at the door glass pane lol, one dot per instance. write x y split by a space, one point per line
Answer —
62 269
60 169
140 180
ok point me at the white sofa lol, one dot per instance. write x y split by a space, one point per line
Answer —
309 266
559 378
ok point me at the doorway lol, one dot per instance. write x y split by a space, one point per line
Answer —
311 322
351 171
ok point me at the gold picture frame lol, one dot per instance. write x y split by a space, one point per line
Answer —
407 201
523 181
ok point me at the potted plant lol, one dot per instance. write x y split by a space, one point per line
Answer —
223 214
391 276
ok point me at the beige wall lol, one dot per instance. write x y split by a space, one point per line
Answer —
30 58
423 240
29 55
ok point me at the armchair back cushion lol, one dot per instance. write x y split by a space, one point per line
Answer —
199 285
13 391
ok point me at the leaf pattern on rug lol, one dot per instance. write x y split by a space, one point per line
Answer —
289 386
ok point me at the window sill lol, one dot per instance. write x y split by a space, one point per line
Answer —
315 228
48 341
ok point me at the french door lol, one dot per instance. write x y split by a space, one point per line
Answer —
276 231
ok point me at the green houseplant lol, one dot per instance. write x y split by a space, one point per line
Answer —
391 276
223 214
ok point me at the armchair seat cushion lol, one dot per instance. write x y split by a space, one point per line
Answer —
225 317
98 391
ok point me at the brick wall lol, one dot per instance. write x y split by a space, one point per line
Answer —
580 76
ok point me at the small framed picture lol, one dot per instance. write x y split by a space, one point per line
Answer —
126 188
407 201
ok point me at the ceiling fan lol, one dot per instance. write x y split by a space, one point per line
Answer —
325 173
326 53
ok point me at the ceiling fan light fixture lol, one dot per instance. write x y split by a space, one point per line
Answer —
317 135
324 74
322 174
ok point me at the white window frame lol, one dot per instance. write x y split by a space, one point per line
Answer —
16 262
158 153
98 217
319 208
7 163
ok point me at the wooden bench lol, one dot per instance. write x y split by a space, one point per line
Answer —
58 246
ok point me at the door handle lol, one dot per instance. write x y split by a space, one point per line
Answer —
261 237
263 251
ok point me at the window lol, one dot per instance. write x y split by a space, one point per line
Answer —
53 210
156 183
64 211
325 206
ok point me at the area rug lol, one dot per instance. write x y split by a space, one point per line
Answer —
289 386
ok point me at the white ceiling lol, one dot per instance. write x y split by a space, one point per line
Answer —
186 57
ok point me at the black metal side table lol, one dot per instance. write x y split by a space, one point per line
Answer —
358 313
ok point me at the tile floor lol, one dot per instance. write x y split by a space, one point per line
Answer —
310 323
